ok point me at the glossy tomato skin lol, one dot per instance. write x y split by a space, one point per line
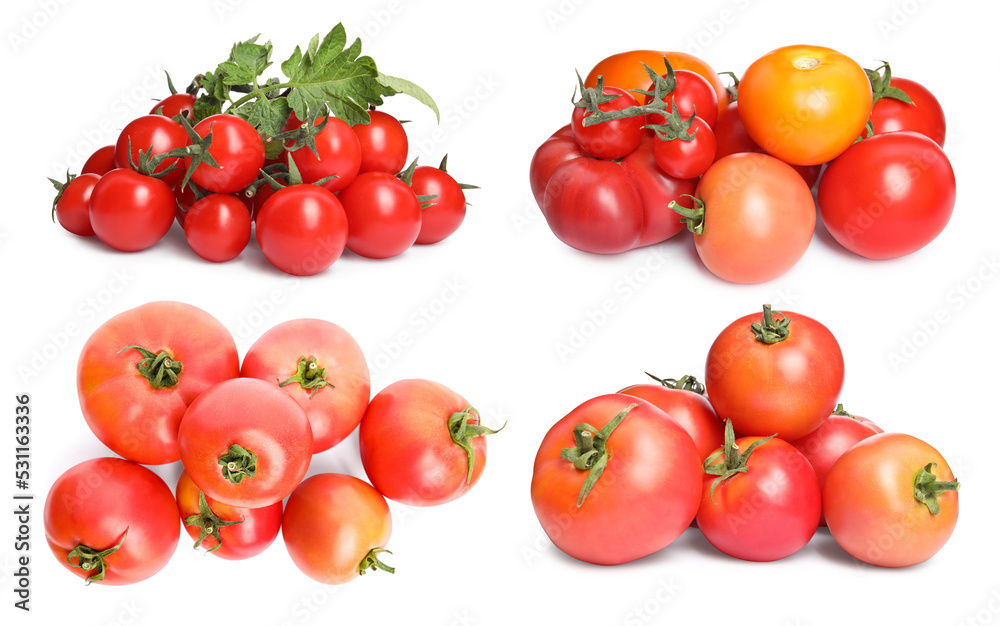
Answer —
236 147
767 513
331 523
731 137
334 408
888 196
384 145
646 497
870 507
444 214
94 503
100 162
759 218
256 530
805 104
656 189
131 212
338 154
174 104
129 415
383 215
693 95
406 448
260 418
691 410
73 208
302 229
788 388
217 227
687 159
153 134
924 116
609 140
557 150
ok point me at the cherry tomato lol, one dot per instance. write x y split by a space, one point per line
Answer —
585 487
888 196
383 144
805 104
101 162
924 116
217 227
335 527
693 95
111 521
302 229
321 367
153 134
691 158
174 104
686 405
383 215
129 211
259 198
338 154
891 500
609 140
780 374
236 148
229 532
73 207
445 213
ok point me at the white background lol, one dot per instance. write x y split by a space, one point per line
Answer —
503 76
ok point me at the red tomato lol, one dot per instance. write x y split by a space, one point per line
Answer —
174 104
338 153
891 500
260 197
111 521
141 369
924 116
335 527
245 443
557 150
422 444
236 148
759 505
586 483
321 367
302 229
687 158
383 144
686 406
778 375
153 134
445 213
609 140
693 95
731 137
383 215
131 212
657 189
73 207
217 227
101 162
888 196
229 532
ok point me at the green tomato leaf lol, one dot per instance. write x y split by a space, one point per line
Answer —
395 86
267 116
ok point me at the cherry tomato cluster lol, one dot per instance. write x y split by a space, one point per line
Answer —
163 383
311 178
657 142
623 475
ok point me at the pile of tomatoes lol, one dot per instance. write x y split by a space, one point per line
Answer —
657 142
623 475
163 383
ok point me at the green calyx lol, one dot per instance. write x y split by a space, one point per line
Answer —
674 127
208 523
734 462
732 90
90 560
371 562
770 331
593 97
926 487
160 370
881 79
464 426
60 188
308 375
591 453
238 463
686 383
840 410
693 218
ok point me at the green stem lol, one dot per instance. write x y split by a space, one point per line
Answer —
464 426
371 562
591 453
160 370
685 383
771 331
238 463
309 375
90 560
260 91
694 218
208 523
733 463
926 487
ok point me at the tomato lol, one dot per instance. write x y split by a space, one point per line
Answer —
141 369
335 527
558 149
174 104
689 158
693 95
229 532
101 162
619 493
383 215
217 227
111 521
153 134
259 198
383 142
245 443
685 403
72 209
321 367
338 154
625 70
236 148
891 500
656 189
445 213
302 229
780 374
422 444
888 196
613 139
924 116
760 499
753 219
805 104
129 211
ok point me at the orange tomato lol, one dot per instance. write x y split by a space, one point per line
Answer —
805 104
625 71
